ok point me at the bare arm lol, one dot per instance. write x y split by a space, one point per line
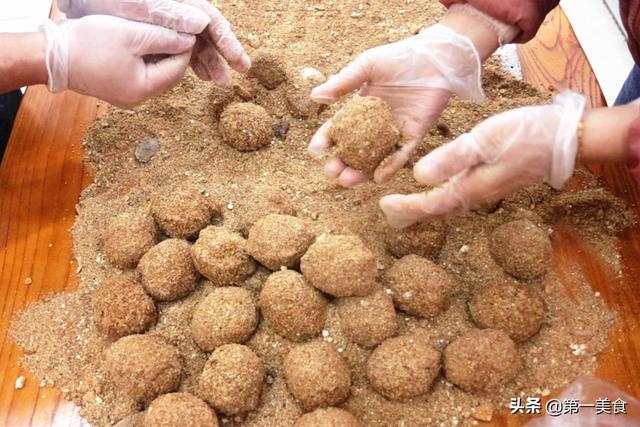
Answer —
606 132
22 60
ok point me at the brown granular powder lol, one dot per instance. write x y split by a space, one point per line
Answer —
63 348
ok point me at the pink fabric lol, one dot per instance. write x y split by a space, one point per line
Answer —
633 147
524 14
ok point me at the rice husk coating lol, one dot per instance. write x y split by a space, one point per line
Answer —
340 265
403 367
144 366
425 239
128 237
167 270
328 417
231 381
246 126
220 255
219 97
298 92
180 210
364 133
419 286
226 315
121 307
522 249
268 68
368 320
316 375
514 309
279 241
179 410
482 360
263 200
291 306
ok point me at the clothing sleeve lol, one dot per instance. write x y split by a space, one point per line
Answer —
633 149
527 15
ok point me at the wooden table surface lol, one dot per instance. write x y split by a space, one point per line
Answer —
42 175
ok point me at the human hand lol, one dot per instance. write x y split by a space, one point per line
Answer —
501 155
416 77
103 56
216 44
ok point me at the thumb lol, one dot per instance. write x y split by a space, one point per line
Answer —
166 73
352 77
448 160
149 39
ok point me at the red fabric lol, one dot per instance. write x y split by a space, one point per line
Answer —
633 149
630 12
524 14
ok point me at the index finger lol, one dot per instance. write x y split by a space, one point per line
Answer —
221 35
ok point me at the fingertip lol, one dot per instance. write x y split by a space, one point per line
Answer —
333 168
350 178
188 40
321 95
391 206
221 76
320 142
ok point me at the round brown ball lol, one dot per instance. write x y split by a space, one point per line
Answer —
482 360
365 133
167 270
232 379
419 287
179 410
298 93
268 68
246 126
425 239
262 200
220 255
239 90
316 375
128 237
368 320
226 315
402 368
522 249
292 307
121 307
341 266
279 241
144 366
180 210
514 309
328 417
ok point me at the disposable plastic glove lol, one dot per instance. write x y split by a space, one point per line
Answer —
103 56
216 43
501 155
416 76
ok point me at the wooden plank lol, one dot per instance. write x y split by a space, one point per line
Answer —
40 180
42 176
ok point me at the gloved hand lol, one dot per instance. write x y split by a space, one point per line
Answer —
216 44
416 76
102 56
501 155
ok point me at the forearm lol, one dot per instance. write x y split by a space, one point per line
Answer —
22 60
483 37
605 133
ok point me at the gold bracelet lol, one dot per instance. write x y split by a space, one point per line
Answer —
580 133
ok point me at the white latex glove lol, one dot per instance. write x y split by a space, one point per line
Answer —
103 56
216 43
416 76
501 155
